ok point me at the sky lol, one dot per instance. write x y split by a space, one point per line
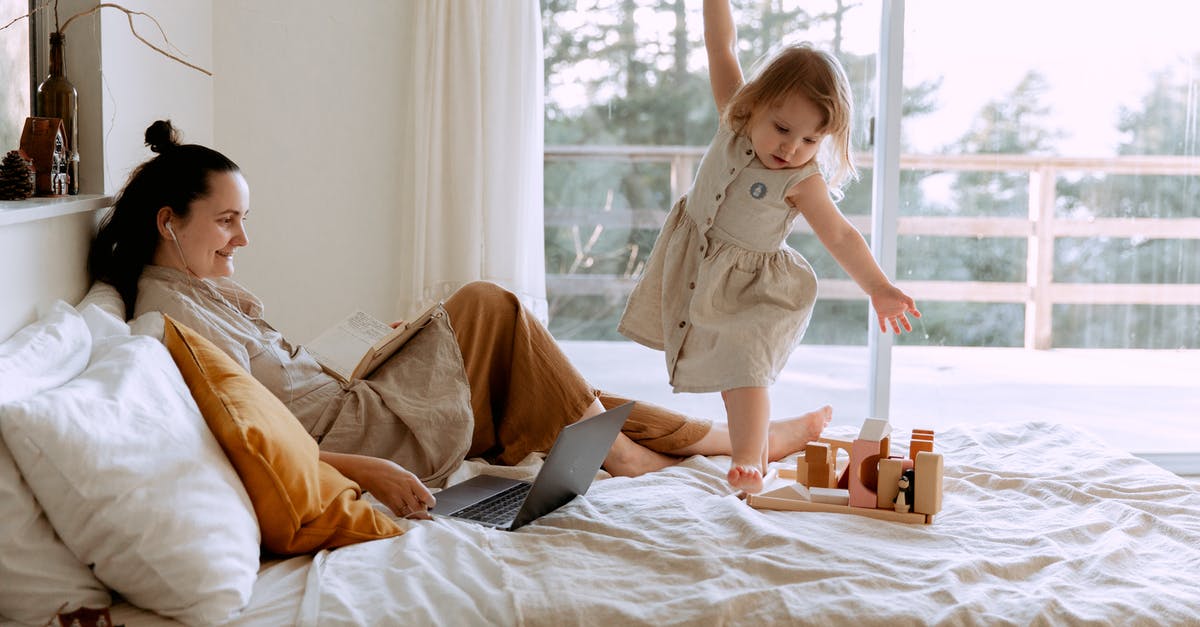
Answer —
1096 55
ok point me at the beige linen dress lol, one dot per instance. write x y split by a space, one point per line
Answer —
723 295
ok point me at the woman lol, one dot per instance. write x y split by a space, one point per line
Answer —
495 385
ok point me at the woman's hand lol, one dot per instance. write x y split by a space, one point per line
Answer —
387 481
892 306
397 488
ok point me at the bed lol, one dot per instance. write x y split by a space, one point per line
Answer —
1040 524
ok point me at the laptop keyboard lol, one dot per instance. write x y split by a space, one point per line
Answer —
499 509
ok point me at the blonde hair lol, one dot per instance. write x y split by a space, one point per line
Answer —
818 76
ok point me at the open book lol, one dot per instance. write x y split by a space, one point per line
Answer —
354 347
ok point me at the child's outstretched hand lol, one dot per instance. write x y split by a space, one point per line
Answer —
893 306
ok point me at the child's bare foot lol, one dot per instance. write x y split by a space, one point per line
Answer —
748 479
789 435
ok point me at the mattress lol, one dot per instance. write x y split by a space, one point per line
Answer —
1041 523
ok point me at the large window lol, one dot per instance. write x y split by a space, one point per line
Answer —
1052 215
14 73
1047 221
629 112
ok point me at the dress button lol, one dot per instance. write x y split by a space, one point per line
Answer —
682 323
718 197
701 249
708 221
749 151
692 285
732 170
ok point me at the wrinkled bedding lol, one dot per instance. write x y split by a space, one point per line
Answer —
1041 524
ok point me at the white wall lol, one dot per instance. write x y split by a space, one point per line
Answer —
308 102
141 85
307 97
40 262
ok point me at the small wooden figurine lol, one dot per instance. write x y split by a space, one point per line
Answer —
904 492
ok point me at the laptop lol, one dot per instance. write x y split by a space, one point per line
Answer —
567 472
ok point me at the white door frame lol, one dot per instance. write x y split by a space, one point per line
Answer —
885 192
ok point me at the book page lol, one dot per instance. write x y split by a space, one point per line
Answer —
340 348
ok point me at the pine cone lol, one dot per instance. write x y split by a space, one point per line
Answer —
16 182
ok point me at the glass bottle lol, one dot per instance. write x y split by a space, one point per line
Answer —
57 98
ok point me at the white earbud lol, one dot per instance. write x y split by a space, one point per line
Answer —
178 248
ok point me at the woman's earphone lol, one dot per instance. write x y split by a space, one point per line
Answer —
178 248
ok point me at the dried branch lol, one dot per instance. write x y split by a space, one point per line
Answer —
43 7
129 15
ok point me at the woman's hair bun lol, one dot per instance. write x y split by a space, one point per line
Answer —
161 136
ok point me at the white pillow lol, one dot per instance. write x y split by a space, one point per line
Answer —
45 354
135 484
40 575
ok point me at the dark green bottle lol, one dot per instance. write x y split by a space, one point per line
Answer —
57 98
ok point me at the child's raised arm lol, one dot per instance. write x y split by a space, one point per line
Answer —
720 40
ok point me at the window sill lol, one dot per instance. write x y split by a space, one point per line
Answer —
40 208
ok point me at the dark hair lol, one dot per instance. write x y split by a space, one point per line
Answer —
128 236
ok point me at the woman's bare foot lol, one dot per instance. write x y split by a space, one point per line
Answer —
789 435
748 479
627 458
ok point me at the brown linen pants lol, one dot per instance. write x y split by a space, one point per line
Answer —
524 390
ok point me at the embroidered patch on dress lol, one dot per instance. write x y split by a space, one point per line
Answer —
758 190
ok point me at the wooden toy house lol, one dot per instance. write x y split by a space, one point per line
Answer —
44 140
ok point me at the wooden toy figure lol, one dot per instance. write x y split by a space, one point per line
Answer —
904 496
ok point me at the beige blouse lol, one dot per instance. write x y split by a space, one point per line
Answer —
415 409
723 295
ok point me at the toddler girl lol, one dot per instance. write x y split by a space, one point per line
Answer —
723 295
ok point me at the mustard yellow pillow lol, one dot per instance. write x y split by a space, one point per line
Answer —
302 503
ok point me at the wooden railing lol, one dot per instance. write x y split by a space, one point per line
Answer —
1039 293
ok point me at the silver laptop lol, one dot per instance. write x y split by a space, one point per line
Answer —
567 472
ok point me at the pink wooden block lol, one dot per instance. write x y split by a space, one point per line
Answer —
864 473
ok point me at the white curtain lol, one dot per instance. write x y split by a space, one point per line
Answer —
471 200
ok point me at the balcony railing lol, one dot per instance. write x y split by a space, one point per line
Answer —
1038 292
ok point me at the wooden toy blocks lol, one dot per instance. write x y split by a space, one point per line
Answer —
841 475
927 483
869 483
818 457
889 476
865 452
922 440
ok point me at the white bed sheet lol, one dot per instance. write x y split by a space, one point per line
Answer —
1040 524
276 600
